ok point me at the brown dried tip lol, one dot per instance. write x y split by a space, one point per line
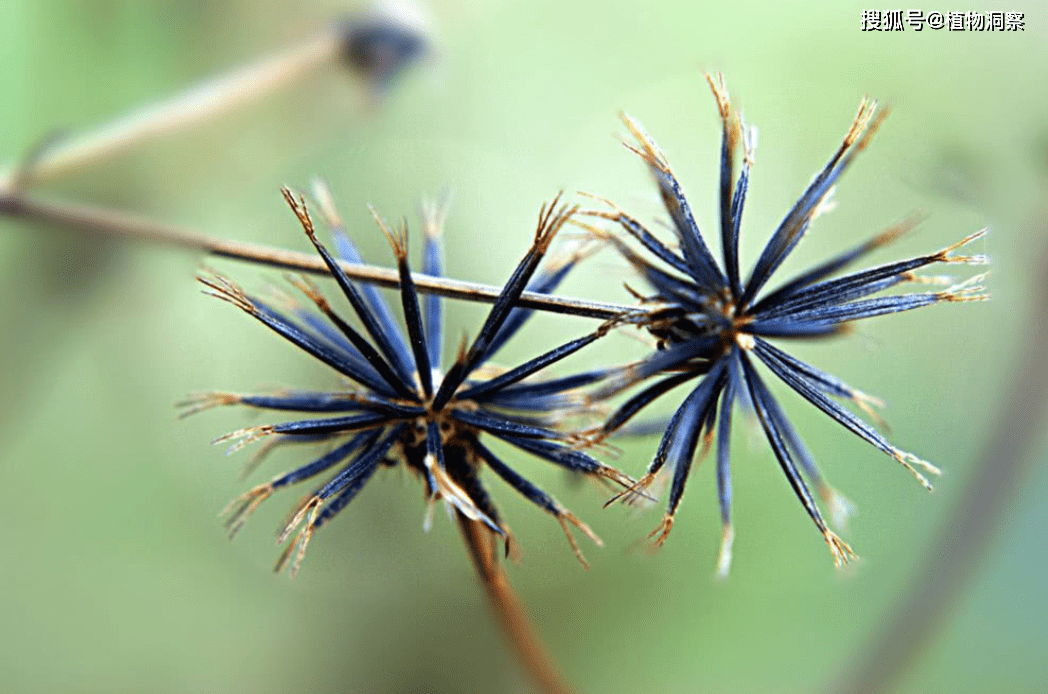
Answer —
732 126
588 438
198 402
564 517
246 435
720 92
840 550
908 460
648 151
243 506
225 289
613 215
972 289
551 219
312 292
397 238
662 530
635 491
297 548
618 477
944 256
584 439
867 108
299 208
873 125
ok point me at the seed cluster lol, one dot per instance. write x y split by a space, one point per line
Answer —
711 327
400 409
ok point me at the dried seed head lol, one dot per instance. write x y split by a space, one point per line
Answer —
714 324
400 407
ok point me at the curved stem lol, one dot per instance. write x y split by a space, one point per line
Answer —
19 204
515 623
941 578
220 94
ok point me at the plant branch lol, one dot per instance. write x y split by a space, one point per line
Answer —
515 623
210 98
81 217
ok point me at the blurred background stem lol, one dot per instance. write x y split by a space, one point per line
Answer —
954 555
199 104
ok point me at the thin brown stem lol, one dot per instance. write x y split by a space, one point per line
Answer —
514 622
211 98
941 578
81 217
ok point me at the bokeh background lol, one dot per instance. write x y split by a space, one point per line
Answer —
116 575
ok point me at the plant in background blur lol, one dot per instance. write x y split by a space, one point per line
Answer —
378 46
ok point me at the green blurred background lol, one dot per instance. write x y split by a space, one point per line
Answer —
116 575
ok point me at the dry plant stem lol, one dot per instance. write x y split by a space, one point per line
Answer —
940 580
515 623
82 217
211 98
